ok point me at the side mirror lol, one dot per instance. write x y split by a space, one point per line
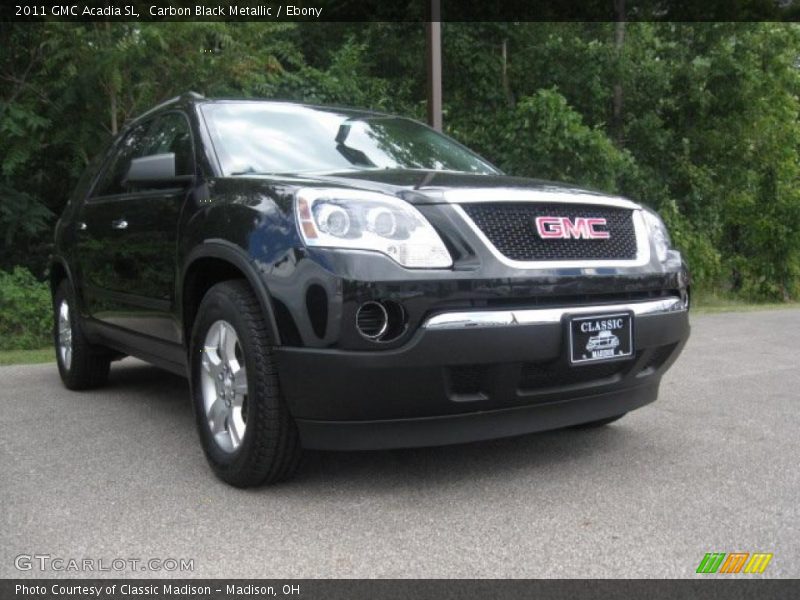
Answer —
157 169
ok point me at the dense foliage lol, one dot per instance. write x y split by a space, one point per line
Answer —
25 311
699 121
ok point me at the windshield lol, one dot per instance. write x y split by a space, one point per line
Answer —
254 137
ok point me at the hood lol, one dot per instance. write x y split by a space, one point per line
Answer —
432 187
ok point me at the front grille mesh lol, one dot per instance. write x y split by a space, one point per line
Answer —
554 375
511 228
536 376
468 379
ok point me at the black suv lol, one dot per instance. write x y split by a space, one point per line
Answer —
341 279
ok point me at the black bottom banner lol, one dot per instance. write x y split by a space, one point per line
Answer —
390 589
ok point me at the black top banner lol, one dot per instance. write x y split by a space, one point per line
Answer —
403 10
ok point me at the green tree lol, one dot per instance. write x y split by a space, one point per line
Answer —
698 120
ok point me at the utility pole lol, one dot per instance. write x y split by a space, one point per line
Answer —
433 37
619 43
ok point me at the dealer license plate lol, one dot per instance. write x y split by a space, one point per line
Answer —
601 337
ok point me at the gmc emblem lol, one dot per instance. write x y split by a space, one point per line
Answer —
551 228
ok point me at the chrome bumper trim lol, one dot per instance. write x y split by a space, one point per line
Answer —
540 316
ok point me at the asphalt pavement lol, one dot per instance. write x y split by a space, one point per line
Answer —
712 466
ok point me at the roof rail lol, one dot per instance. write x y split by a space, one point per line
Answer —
185 96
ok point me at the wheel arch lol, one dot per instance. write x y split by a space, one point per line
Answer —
210 263
57 271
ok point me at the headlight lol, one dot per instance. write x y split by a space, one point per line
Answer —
658 233
360 220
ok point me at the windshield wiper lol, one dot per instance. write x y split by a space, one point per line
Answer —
251 171
425 180
353 155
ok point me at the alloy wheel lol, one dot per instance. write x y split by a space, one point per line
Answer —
224 385
64 335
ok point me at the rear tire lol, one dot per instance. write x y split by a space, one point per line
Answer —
599 422
82 365
245 428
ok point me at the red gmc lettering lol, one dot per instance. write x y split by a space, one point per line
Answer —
565 228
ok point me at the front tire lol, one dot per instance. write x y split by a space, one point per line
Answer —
246 431
82 365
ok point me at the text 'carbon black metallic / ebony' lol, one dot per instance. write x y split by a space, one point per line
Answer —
511 228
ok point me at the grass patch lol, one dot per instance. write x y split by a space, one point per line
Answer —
27 357
718 303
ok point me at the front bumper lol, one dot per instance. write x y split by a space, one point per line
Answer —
470 376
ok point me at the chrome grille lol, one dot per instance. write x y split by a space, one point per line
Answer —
511 228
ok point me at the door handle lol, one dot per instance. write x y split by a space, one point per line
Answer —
119 224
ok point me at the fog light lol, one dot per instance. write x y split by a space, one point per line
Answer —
397 320
372 320
685 299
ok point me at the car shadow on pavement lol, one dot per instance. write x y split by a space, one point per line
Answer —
544 454
140 377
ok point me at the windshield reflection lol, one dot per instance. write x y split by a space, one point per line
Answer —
271 138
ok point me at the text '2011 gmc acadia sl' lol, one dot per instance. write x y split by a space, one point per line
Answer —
341 279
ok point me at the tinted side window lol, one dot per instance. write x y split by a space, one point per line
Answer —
131 146
87 179
171 134
167 133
